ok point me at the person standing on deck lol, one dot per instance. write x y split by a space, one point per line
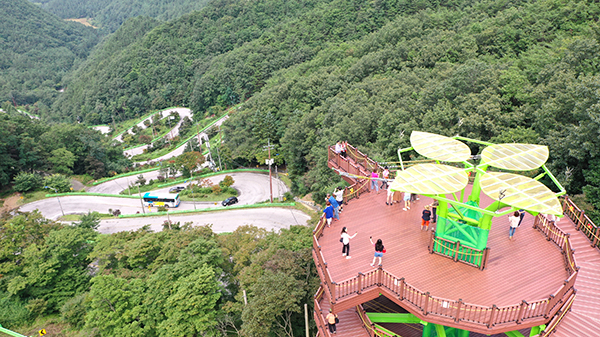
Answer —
407 196
513 221
336 206
425 218
521 216
328 213
331 320
374 182
345 239
339 197
386 175
379 250
434 207
390 196
338 148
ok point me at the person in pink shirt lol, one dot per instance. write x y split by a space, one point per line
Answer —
374 182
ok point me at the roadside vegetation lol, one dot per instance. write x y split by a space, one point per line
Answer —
184 280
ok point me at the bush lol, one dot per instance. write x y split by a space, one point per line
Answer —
25 182
73 311
58 183
116 212
141 180
12 312
162 209
217 189
37 307
227 181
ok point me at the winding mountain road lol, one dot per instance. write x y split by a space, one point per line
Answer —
252 188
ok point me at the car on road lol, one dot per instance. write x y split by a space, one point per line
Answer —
229 201
176 189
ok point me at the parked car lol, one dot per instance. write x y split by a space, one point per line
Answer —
176 189
229 201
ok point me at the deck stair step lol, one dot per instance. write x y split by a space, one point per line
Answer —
584 318
350 324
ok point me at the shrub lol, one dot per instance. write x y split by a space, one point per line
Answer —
116 212
73 311
216 189
227 181
25 182
141 180
58 183
37 307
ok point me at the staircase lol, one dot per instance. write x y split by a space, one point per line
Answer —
584 318
350 324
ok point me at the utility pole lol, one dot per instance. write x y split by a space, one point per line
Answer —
269 162
141 202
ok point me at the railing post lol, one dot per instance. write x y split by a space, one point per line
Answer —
426 306
484 257
595 240
402 285
521 311
379 275
549 306
492 316
359 283
458 306
456 251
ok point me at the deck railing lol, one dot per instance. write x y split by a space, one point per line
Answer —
457 252
560 238
361 185
582 222
319 315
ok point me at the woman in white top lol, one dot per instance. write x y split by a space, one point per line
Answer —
513 221
346 242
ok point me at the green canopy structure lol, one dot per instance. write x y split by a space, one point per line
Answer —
461 217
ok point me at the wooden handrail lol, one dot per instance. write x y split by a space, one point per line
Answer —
582 221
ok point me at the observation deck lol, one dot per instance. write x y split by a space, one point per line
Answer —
526 282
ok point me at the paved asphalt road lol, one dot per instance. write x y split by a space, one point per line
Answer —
253 188
226 221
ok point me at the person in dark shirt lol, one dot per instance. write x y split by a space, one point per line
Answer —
425 218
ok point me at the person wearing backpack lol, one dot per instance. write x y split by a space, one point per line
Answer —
332 320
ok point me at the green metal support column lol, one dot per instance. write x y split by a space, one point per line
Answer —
427 329
442 214
440 330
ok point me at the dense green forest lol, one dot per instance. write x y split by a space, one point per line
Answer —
29 146
109 15
182 281
36 50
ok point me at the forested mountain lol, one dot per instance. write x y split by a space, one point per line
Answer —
108 15
36 50
218 56
319 71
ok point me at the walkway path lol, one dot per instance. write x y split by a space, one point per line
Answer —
584 318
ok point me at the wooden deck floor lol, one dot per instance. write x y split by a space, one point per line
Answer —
528 268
